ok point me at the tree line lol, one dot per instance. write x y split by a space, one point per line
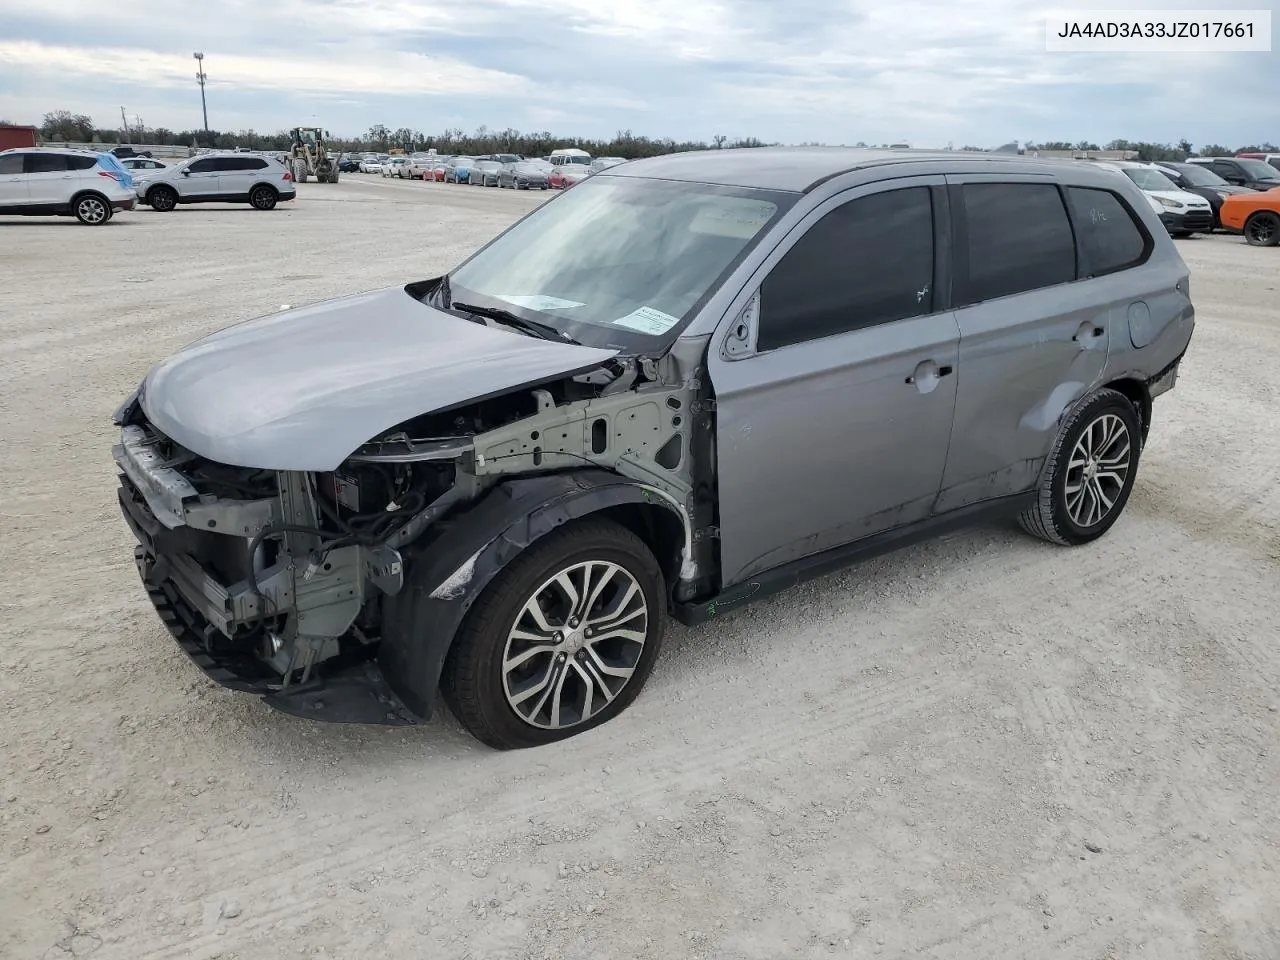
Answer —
63 125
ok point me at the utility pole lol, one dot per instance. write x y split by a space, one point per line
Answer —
201 77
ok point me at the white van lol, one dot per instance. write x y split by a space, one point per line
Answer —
569 155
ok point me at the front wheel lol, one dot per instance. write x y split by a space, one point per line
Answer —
561 641
162 199
1089 474
1262 229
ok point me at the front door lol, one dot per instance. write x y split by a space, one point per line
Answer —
835 385
200 182
13 182
1033 340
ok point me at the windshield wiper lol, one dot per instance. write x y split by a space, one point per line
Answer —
544 331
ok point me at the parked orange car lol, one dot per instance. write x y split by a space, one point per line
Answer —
1256 215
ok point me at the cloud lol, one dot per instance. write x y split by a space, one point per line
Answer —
391 71
836 71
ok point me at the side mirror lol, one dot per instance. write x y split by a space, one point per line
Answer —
186 173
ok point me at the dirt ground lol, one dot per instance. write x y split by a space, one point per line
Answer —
982 747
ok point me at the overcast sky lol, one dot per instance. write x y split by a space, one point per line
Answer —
836 71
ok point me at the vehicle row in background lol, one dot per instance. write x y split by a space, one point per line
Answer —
561 169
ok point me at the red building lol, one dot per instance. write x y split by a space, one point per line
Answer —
15 136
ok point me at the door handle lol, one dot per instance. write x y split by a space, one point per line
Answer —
1088 332
928 370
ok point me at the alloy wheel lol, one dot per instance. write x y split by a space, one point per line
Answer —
1097 470
1262 230
91 210
575 644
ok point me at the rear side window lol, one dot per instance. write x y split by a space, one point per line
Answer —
11 163
228 164
1019 239
44 163
1110 237
867 262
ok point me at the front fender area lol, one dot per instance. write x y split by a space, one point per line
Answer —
446 576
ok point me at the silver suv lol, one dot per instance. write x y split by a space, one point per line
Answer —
690 382
259 181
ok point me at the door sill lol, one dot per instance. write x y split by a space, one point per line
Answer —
808 568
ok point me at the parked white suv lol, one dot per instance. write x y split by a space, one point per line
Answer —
248 178
1182 213
46 182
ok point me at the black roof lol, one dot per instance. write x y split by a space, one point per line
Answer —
795 169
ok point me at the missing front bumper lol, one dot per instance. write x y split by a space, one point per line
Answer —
342 690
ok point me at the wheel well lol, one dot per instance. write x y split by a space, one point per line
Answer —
76 197
151 190
269 186
1137 393
660 529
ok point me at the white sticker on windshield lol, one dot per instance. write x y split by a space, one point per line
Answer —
648 320
540 302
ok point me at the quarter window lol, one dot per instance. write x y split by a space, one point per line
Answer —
1110 239
867 262
81 163
1019 239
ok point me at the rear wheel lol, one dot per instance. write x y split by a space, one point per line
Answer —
561 641
1090 472
92 209
163 199
300 171
1262 229
263 197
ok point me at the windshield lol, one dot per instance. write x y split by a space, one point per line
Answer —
1198 176
1259 169
622 262
1149 179
573 159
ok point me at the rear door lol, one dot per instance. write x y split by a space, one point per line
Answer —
1033 340
834 397
13 182
237 174
48 179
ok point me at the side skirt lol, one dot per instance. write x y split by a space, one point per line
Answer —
808 568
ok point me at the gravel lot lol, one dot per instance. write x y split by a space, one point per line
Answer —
982 747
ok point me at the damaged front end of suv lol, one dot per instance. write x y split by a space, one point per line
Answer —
448 487
332 581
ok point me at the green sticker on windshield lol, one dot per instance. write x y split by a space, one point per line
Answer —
648 320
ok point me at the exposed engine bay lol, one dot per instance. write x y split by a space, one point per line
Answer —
282 573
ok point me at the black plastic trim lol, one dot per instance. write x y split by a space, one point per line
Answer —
829 561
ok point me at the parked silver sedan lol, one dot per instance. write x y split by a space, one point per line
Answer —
485 173
524 175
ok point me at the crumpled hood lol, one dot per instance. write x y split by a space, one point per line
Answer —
302 389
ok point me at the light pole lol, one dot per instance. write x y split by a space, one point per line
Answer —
200 76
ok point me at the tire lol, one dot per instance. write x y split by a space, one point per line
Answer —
1103 431
474 683
300 171
163 199
1262 229
91 209
263 197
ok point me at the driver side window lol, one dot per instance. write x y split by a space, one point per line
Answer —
867 262
201 166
